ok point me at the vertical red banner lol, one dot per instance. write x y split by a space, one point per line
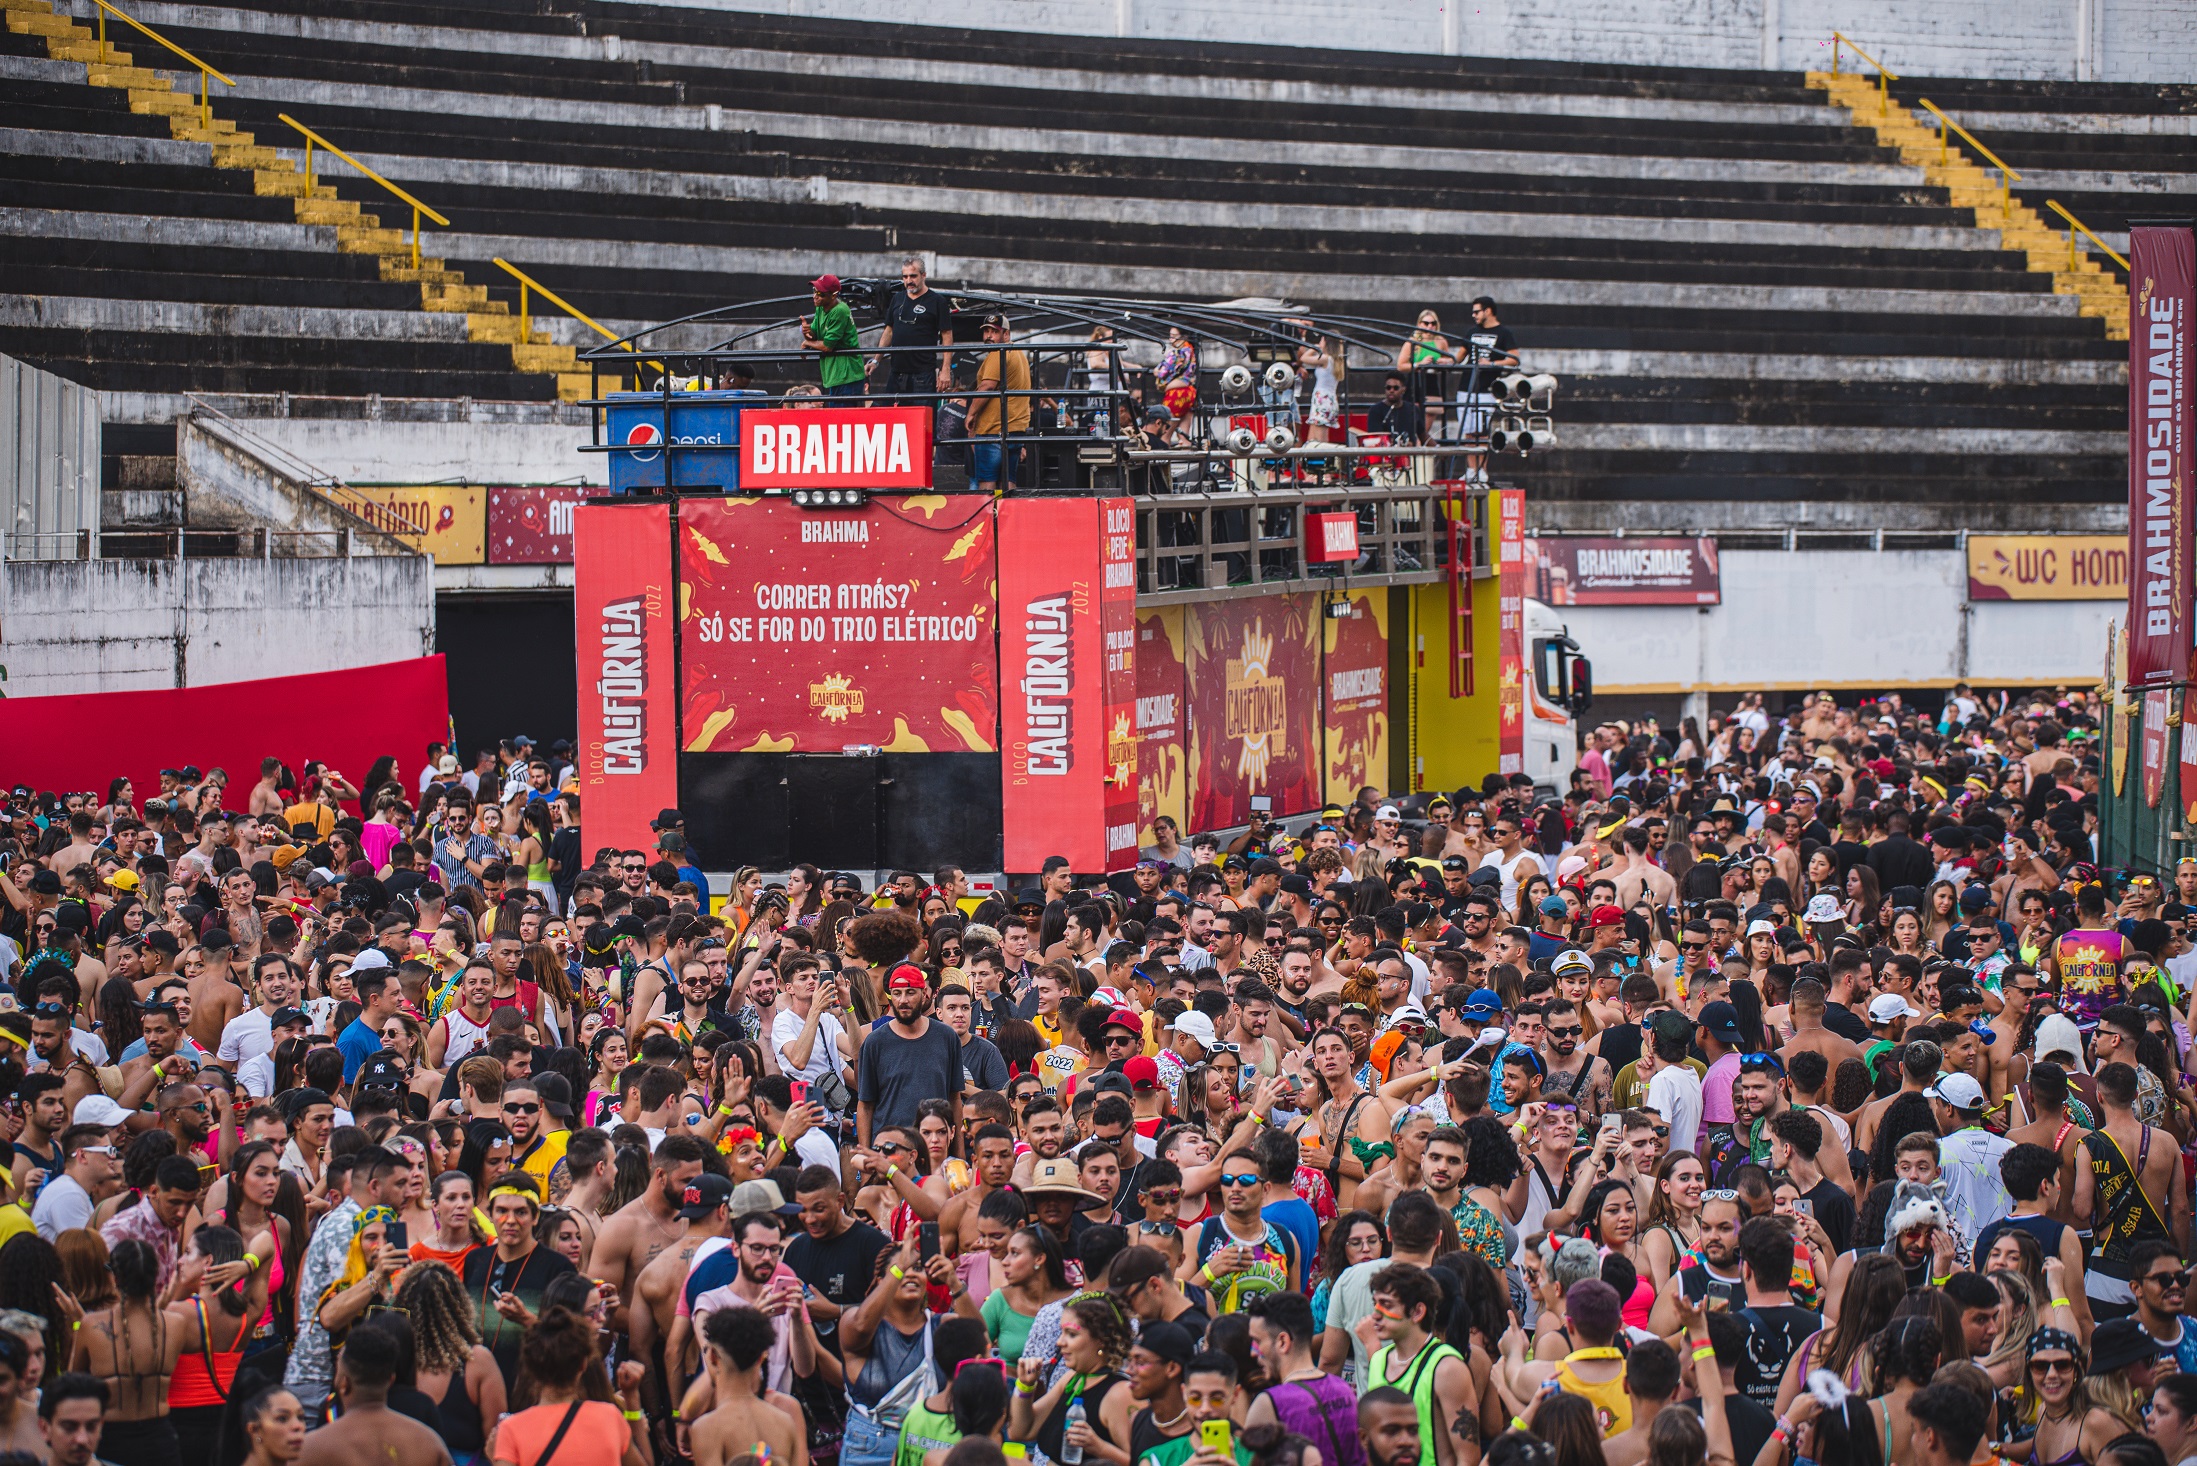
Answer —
1253 685
2157 703
2162 282
1057 701
623 607
1510 563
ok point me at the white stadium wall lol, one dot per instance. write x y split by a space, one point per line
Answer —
1841 619
2079 40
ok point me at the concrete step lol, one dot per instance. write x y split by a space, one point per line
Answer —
28 7
428 272
280 182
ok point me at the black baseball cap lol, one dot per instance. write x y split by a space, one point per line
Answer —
704 1194
382 1071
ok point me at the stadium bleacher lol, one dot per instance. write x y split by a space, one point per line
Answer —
1761 317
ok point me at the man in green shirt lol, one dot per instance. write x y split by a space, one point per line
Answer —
831 331
1208 1393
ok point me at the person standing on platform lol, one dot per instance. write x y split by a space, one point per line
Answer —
831 332
992 463
915 315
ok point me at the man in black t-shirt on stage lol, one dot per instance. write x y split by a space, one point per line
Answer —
1488 349
915 315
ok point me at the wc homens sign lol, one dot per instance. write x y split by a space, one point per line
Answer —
836 448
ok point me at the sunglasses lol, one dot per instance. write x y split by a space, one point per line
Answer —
1721 1194
1170 1197
1159 1229
1246 1178
1572 1032
2051 1366
2169 1280
519 1109
1693 946
890 1147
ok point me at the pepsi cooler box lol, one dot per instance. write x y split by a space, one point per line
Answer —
704 429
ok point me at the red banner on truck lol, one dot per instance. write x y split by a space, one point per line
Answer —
836 448
814 632
622 609
2161 283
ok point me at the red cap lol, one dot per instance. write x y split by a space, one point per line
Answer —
1141 1072
907 976
1124 1018
829 284
1606 916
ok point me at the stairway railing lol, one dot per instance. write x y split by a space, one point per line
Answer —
2075 224
529 285
2007 174
418 208
1884 77
205 72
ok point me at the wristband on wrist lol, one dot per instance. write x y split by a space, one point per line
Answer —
1941 1282
1784 1427
892 1172
1206 1272
1705 1352
897 1273
251 1261
1518 1424
2060 1303
675 1412
632 1414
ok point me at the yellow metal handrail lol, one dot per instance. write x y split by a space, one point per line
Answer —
2075 225
2006 172
529 283
1885 75
418 208
205 107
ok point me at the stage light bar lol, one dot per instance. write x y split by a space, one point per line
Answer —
829 498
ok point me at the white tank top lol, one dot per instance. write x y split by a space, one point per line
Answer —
464 1036
1509 871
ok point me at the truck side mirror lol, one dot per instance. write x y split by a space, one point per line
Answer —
1582 685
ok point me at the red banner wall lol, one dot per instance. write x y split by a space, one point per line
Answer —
532 525
811 631
346 719
1067 683
2162 282
1254 692
622 608
1356 684
1162 732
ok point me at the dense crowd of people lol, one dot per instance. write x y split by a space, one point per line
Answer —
1797 1089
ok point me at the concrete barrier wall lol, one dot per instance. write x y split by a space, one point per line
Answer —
2081 40
122 625
1836 618
363 452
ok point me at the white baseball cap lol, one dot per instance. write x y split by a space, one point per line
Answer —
1885 1007
1961 1091
97 1109
1197 1026
1388 812
1761 929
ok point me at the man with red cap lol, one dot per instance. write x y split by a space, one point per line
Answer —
906 1059
831 331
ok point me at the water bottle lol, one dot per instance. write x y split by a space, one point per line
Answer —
1070 1453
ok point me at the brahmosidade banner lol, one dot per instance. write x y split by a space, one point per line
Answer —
2161 281
1590 570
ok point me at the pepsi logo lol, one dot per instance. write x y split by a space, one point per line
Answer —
642 435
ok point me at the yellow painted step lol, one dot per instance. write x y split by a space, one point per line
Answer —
355 240
341 212
31 23
578 386
154 102
279 182
536 357
241 155
456 297
483 326
122 76
429 271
